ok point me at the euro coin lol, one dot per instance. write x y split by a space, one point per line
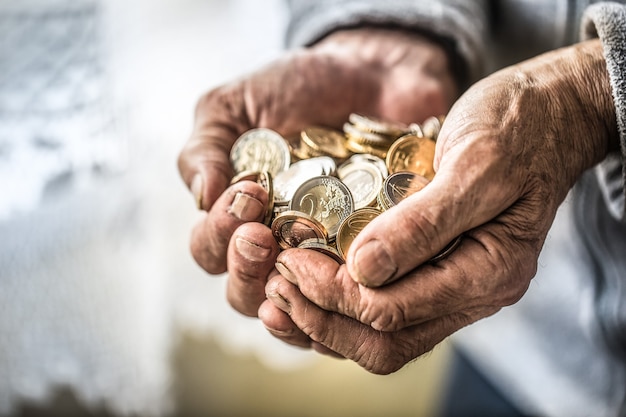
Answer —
363 179
291 228
447 250
260 150
377 125
326 199
352 226
325 141
287 182
399 186
321 246
412 153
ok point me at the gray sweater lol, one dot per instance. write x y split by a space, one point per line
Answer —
561 350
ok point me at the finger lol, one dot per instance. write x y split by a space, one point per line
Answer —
376 351
460 197
251 257
492 267
243 202
204 162
278 323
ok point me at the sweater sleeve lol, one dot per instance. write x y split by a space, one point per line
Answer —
462 24
607 21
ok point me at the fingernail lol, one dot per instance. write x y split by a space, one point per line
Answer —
374 265
280 333
286 273
197 187
279 301
251 251
246 208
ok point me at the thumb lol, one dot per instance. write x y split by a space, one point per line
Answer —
421 226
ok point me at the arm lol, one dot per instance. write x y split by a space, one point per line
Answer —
458 26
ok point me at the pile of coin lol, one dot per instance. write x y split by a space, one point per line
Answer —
325 186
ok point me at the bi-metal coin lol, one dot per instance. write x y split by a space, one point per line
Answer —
364 181
399 186
260 150
287 182
326 199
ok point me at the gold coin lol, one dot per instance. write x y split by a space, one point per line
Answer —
322 246
359 148
325 141
291 228
367 138
260 150
399 186
378 125
352 226
412 153
326 199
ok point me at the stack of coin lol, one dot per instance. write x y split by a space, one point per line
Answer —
372 135
339 181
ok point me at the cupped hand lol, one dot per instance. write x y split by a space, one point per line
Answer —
510 149
390 74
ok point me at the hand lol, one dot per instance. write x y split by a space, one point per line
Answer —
391 74
508 152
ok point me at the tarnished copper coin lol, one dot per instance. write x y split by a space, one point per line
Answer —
291 228
260 150
352 226
412 153
326 199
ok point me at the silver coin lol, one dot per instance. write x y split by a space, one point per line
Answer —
372 159
364 181
287 182
321 246
326 199
260 150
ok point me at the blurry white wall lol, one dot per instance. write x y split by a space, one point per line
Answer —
96 281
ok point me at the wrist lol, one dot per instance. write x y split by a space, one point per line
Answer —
567 94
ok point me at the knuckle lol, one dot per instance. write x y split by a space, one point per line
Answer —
387 316
384 355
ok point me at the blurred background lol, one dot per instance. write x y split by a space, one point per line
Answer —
103 312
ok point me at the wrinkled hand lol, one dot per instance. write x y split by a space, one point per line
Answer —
509 151
390 74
